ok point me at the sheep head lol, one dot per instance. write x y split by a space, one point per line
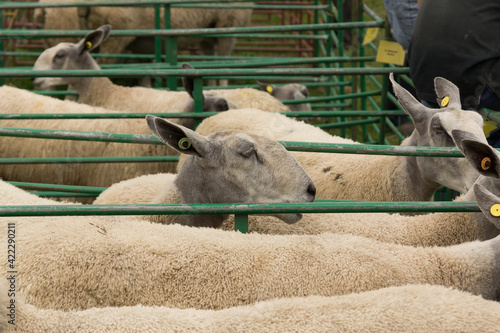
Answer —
291 91
70 56
235 167
434 127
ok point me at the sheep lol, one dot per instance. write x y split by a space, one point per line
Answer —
100 91
440 229
134 18
415 308
101 261
13 100
291 91
377 178
225 167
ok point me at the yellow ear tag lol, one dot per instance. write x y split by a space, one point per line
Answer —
269 89
184 143
88 45
486 163
495 210
445 101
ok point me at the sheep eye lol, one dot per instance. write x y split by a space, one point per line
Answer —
438 129
223 106
60 55
248 153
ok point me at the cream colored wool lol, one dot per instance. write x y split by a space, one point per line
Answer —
72 174
126 18
415 308
98 174
337 176
102 92
438 229
119 261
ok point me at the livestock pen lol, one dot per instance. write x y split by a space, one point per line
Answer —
353 102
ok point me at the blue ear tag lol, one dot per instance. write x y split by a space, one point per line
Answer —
184 143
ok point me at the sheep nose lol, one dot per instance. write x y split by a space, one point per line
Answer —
311 189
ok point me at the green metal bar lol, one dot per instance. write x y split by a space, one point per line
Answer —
47 194
198 99
59 188
69 160
125 115
79 135
246 208
254 72
121 3
319 147
158 39
347 123
149 3
206 32
170 48
2 47
490 115
241 223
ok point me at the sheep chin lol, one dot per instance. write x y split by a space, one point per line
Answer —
289 218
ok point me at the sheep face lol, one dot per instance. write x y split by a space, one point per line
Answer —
233 166
292 91
70 56
434 127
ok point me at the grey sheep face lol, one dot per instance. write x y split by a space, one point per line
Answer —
435 127
77 56
234 166
292 91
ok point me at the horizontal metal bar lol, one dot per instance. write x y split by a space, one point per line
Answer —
79 160
48 194
124 3
59 188
348 123
120 3
240 208
26 34
292 146
79 135
254 72
490 115
137 115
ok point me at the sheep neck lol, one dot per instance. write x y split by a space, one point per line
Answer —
94 90
422 188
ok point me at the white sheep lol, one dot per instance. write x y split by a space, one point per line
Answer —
98 261
369 177
440 229
415 308
13 100
223 168
291 91
100 91
136 18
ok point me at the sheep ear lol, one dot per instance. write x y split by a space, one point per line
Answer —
188 82
93 39
270 88
418 112
447 93
488 203
178 137
481 155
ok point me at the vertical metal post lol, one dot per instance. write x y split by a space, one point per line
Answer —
2 48
241 223
198 98
158 80
170 48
